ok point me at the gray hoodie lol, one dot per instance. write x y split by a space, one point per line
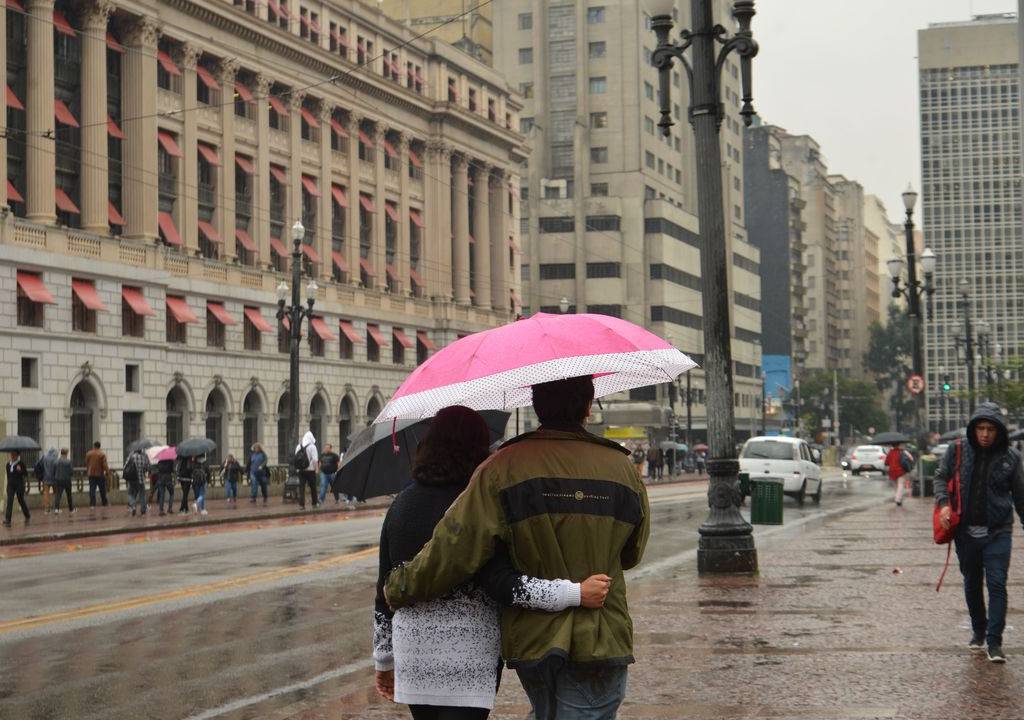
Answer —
50 465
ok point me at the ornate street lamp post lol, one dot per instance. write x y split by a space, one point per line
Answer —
965 339
292 316
726 540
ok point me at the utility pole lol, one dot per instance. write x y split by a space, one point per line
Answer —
764 409
689 411
835 408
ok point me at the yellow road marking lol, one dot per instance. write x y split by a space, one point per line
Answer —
186 592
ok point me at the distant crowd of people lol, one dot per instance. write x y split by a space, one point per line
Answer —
655 462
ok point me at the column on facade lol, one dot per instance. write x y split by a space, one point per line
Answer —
261 182
140 173
352 216
515 269
226 71
499 241
402 254
3 114
188 178
295 172
326 211
378 249
94 172
40 143
443 232
460 248
481 249
430 257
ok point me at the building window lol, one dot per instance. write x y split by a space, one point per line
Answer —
599 189
598 154
397 349
133 324
131 378
610 310
526 89
597 50
372 346
215 335
649 125
252 338
316 343
345 345
595 15
604 222
525 125
29 372
526 56
558 271
526 21
598 85
649 159
604 270
284 337
83 318
648 91
472 93
30 313
598 120
557 224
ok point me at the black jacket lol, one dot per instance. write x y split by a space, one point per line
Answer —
16 471
1005 491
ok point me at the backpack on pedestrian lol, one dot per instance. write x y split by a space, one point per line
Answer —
130 472
301 459
906 461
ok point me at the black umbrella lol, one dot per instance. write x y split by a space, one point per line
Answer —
195 446
953 435
143 444
371 467
890 438
18 443
1017 434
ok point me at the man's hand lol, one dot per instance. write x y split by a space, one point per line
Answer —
944 514
594 590
385 683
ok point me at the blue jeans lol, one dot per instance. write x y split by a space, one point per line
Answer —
257 481
573 692
985 560
199 489
94 484
165 487
325 486
231 489
137 497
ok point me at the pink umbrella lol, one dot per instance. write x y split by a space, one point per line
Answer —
168 453
494 369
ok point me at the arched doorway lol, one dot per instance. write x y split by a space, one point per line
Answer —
177 415
252 423
284 429
216 416
317 417
345 412
373 408
84 410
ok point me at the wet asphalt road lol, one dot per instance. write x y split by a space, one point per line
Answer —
245 622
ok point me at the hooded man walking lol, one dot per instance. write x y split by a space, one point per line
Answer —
991 488
307 470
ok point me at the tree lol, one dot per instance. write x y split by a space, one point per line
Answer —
889 359
859 403
1008 388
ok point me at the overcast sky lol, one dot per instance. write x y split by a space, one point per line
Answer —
845 72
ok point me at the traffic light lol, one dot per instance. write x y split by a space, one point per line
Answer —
946 386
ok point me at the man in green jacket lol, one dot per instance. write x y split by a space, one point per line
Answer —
566 504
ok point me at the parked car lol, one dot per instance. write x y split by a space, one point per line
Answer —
867 457
939 450
783 458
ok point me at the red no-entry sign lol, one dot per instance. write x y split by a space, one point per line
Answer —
915 384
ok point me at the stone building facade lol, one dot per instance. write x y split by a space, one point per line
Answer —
157 157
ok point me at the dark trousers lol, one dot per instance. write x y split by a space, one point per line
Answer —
94 483
308 477
438 712
985 561
58 489
15 489
186 485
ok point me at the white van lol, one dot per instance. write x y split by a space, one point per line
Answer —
783 458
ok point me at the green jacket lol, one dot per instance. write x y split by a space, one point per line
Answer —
567 504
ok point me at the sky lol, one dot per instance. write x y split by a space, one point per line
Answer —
845 73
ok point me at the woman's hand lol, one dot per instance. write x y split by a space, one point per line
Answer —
385 683
594 590
944 515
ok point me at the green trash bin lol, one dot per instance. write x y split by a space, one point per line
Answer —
766 502
744 486
927 466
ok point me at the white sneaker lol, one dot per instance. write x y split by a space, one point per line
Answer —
203 512
57 511
195 508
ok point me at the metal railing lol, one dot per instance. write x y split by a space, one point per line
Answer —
80 481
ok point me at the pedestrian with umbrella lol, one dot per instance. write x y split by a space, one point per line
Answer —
188 478
17 474
163 457
898 460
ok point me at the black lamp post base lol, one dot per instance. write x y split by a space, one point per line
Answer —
726 554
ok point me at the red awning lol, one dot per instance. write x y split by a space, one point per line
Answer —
283 10
113 44
350 332
86 292
113 130
339 196
304 20
374 332
402 338
180 310
310 118
424 338
339 261
15 5
416 218
389 149
392 211
209 153
338 127
12 100
207 78
221 313
321 329
65 203
113 216
286 322
365 139
61 24
279 107
279 175
515 296
314 24
63 114
209 231
272 4
33 287
170 145
245 240
310 184
472 240
137 301
367 202
166 63
278 247
243 92
168 230
391 271
12 193
310 252
414 158
366 267
257 320
416 277
246 164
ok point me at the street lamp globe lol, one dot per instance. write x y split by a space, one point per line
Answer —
895 265
311 289
282 292
659 8
983 329
563 305
909 198
298 231
928 261
964 288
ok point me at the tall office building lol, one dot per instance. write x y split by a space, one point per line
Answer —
971 188
155 160
466 24
609 204
889 238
